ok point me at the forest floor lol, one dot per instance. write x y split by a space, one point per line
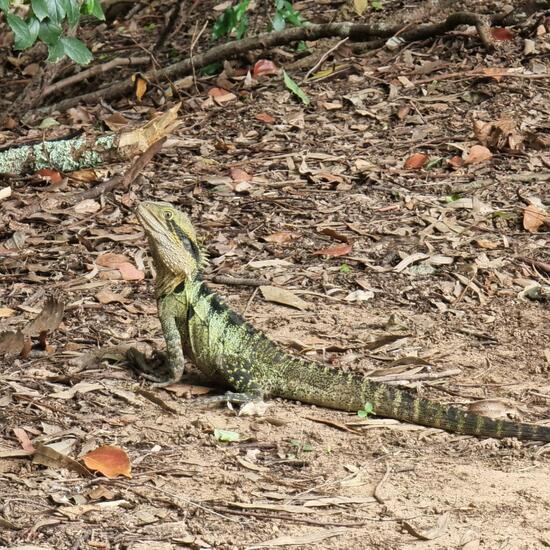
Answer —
441 257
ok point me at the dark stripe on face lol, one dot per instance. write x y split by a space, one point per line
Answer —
188 244
180 288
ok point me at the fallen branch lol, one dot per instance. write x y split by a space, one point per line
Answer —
76 153
123 181
355 32
93 71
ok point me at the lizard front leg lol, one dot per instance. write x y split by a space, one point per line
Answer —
172 362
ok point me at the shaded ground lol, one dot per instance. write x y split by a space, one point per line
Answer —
316 178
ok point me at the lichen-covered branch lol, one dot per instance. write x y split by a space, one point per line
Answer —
64 155
67 155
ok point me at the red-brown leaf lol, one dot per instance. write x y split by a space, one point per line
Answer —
109 460
338 250
264 67
416 161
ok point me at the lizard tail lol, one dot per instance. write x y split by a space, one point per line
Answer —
322 385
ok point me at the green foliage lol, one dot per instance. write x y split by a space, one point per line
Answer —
235 21
295 89
232 20
345 268
226 436
301 446
285 13
49 21
366 411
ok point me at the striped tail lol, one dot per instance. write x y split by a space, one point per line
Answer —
322 385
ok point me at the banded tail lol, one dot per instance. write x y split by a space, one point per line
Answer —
322 385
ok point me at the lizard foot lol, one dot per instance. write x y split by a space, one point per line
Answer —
152 369
230 397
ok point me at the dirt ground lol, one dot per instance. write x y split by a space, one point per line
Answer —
444 255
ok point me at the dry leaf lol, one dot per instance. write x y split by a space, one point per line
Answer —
107 297
416 161
239 175
281 237
534 218
12 342
140 86
47 320
87 206
188 390
502 34
130 273
456 161
26 443
264 67
484 243
109 259
338 250
478 154
265 118
7 312
302 540
282 296
433 533
48 174
109 460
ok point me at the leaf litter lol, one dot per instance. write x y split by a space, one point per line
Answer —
271 183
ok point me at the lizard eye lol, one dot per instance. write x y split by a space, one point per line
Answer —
168 215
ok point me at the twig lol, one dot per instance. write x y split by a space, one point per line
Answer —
403 377
544 266
355 32
170 28
324 57
237 281
92 71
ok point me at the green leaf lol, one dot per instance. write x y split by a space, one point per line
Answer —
55 52
211 69
278 22
4 5
23 36
34 28
345 268
242 27
56 10
93 7
40 9
76 50
72 9
226 436
49 32
295 89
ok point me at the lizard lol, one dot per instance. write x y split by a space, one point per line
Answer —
198 325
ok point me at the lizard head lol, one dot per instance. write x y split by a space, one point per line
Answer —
173 242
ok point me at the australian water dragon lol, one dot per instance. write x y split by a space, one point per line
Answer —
231 352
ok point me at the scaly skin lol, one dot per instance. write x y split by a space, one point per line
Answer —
230 351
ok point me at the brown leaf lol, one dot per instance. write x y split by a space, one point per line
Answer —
456 161
282 296
485 243
281 237
87 206
220 95
338 250
48 319
264 117
334 234
502 33
110 259
7 312
238 175
26 443
416 161
140 86
130 272
50 175
478 154
534 218
109 460
107 297
433 533
264 67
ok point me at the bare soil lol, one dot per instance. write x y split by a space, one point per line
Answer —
317 177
